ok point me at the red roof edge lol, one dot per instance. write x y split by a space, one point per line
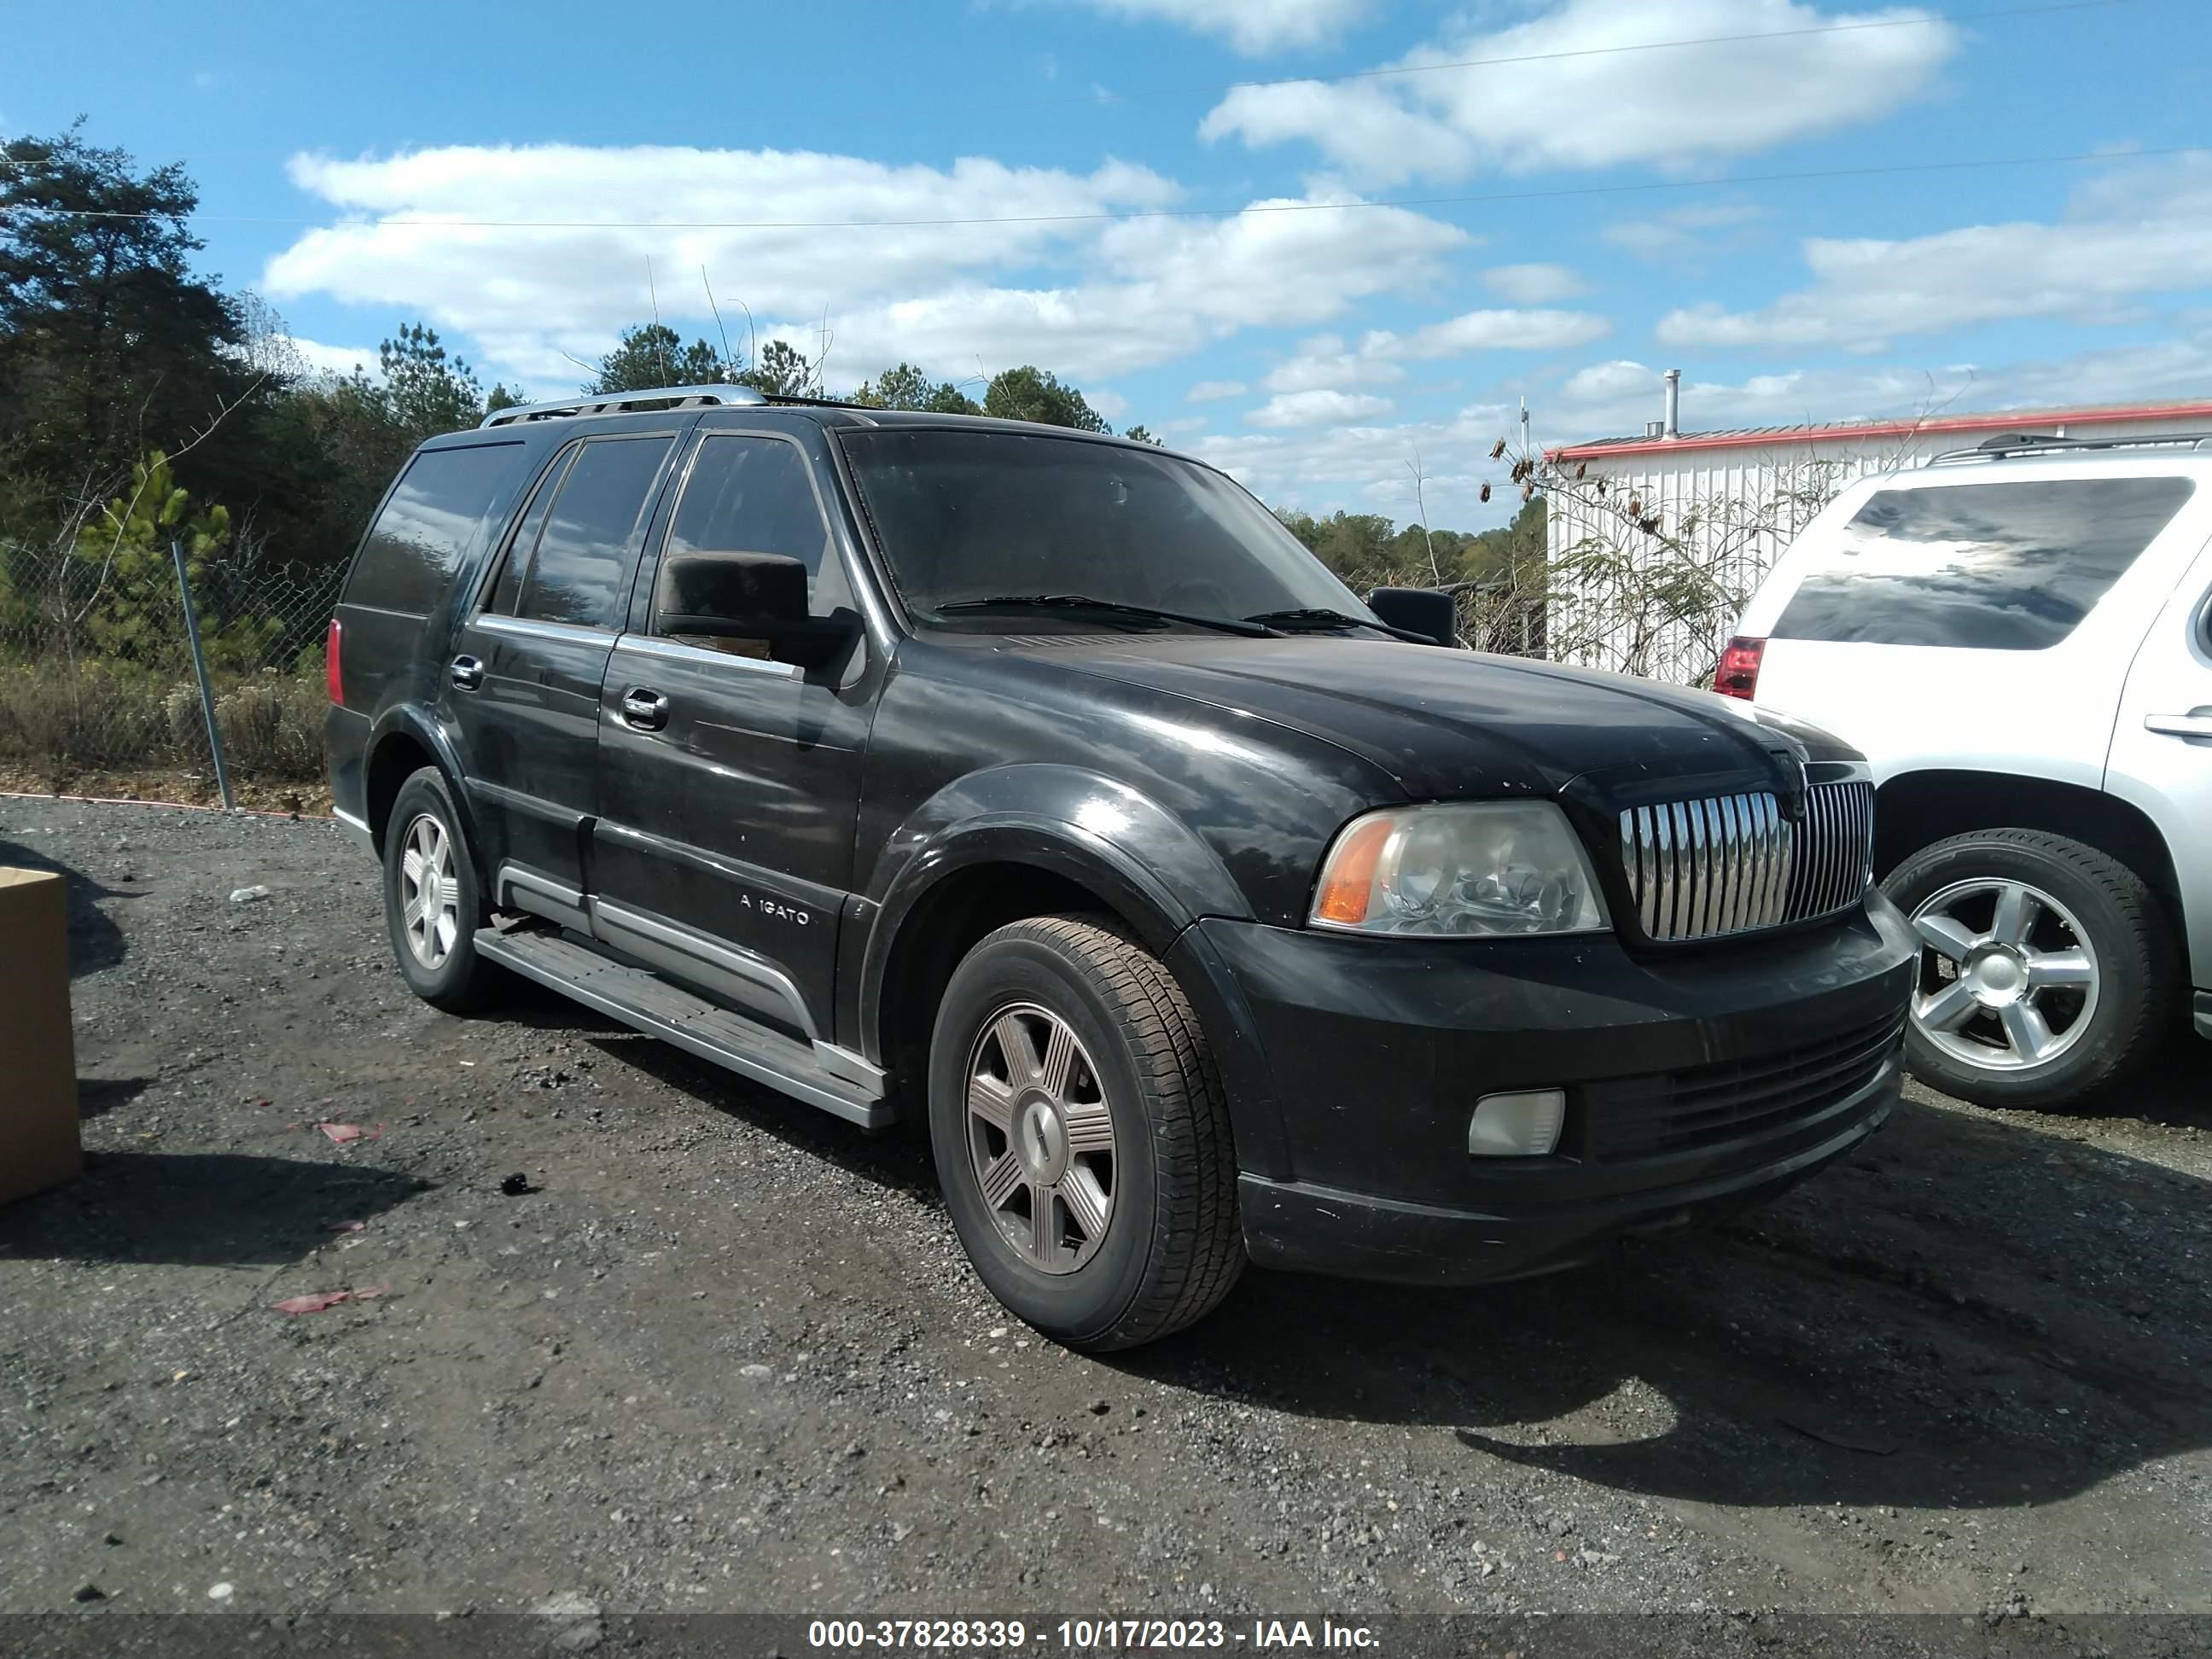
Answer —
2015 419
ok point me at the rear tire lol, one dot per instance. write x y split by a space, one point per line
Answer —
433 901
1081 1136
2047 970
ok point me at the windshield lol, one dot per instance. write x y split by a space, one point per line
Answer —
965 515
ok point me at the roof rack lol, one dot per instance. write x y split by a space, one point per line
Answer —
679 396
2012 444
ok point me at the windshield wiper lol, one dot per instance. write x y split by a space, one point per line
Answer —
1254 628
1314 617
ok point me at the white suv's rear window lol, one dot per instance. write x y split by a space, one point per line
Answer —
1992 566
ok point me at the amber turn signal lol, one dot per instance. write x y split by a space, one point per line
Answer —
1349 879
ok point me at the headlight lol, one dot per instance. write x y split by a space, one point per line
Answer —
1476 869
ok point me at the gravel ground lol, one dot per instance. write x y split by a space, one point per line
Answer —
725 1355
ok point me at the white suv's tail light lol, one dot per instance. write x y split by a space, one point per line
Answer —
1738 674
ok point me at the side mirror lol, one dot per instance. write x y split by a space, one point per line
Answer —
1422 611
747 596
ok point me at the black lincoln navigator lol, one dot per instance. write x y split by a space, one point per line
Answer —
1042 784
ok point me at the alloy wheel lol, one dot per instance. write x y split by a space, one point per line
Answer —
2007 978
430 894
1041 1138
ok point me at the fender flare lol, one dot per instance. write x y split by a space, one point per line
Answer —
1153 869
403 720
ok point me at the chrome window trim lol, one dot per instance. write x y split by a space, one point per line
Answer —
532 628
655 645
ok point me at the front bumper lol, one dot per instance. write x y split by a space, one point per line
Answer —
1697 1084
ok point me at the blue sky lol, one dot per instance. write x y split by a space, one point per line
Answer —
1216 260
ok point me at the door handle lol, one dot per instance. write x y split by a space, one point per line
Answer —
644 708
467 673
2179 726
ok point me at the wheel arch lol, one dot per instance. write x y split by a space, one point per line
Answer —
401 744
991 878
1021 841
1914 810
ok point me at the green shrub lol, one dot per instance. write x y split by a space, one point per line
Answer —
272 726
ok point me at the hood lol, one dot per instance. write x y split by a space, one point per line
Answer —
1449 725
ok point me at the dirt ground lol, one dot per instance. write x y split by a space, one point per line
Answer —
725 1354
170 785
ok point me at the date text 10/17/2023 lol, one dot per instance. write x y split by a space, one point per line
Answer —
1086 1635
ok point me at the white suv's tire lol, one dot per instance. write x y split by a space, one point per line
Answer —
2047 968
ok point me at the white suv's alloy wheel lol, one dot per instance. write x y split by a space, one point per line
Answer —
2009 979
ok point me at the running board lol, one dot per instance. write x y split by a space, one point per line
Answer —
648 1003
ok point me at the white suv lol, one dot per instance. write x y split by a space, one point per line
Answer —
2020 638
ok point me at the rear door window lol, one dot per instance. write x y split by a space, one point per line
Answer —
428 525
588 550
1990 567
524 543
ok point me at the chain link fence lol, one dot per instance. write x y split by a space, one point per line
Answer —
96 678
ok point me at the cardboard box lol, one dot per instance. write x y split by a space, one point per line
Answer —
39 1147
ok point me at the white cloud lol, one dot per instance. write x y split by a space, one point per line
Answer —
323 359
1252 26
1363 467
1600 106
1093 297
588 275
1690 235
1111 404
1295 409
1533 284
1617 399
1323 363
1210 391
1490 331
2147 231
1617 378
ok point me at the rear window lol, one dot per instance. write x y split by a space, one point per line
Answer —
1991 566
427 526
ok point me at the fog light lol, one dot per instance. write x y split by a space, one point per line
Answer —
1523 1125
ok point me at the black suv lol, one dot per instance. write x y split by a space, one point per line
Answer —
1043 784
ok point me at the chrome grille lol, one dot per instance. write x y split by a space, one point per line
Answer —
1732 864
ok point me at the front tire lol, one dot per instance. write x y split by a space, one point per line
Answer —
1081 1136
2046 968
432 901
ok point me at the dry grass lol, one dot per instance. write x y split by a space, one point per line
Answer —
59 720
